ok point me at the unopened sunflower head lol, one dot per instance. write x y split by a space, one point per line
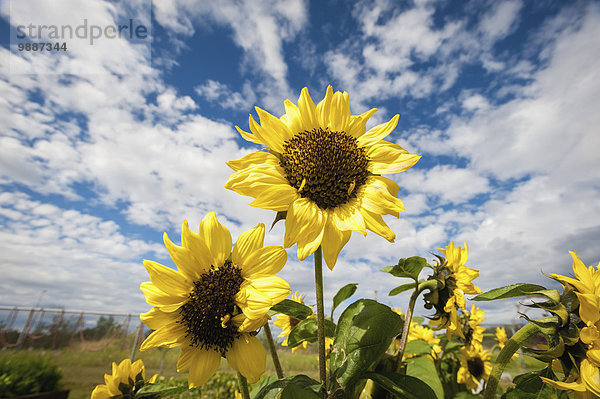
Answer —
217 298
288 323
322 169
125 381
454 281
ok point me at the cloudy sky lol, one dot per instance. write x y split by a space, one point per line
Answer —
105 146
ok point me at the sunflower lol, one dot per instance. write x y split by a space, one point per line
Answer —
287 324
474 366
323 169
474 332
455 280
125 381
215 300
587 286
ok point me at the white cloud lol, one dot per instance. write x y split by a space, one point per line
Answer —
221 94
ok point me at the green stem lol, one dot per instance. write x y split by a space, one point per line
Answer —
430 285
512 345
273 350
243 384
320 318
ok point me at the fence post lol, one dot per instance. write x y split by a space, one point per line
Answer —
24 331
136 340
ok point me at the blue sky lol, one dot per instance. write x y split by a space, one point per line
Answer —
103 150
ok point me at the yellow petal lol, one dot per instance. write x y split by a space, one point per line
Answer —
248 242
136 368
168 336
164 301
378 132
156 318
100 392
184 259
307 110
386 157
266 135
216 237
590 375
323 109
248 356
253 159
185 358
376 198
358 123
248 136
167 280
292 117
263 262
277 197
192 241
249 325
273 126
254 180
340 112
572 386
348 217
376 224
333 242
203 365
304 224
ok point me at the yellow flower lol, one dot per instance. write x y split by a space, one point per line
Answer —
474 366
238 395
287 324
474 333
324 169
124 373
214 299
585 386
456 279
424 333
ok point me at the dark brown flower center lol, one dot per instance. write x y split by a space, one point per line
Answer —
475 366
209 307
326 167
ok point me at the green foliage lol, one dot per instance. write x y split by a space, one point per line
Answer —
401 288
220 385
291 308
364 332
22 374
517 290
307 330
531 386
403 386
344 293
423 368
417 347
407 267
296 387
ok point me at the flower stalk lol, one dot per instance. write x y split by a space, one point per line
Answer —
320 317
430 285
243 385
511 347
273 351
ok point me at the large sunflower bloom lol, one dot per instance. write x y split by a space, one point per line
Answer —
214 299
324 169
474 366
126 379
287 324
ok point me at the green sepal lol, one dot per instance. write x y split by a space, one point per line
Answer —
407 267
531 386
344 293
403 386
307 330
291 308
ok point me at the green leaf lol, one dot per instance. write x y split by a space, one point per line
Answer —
307 330
516 290
407 267
344 293
364 332
404 386
275 389
294 391
466 395
159 390
417 347
291 308
400 289
423 368
531 386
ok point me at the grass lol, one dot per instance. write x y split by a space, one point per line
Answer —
83 370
